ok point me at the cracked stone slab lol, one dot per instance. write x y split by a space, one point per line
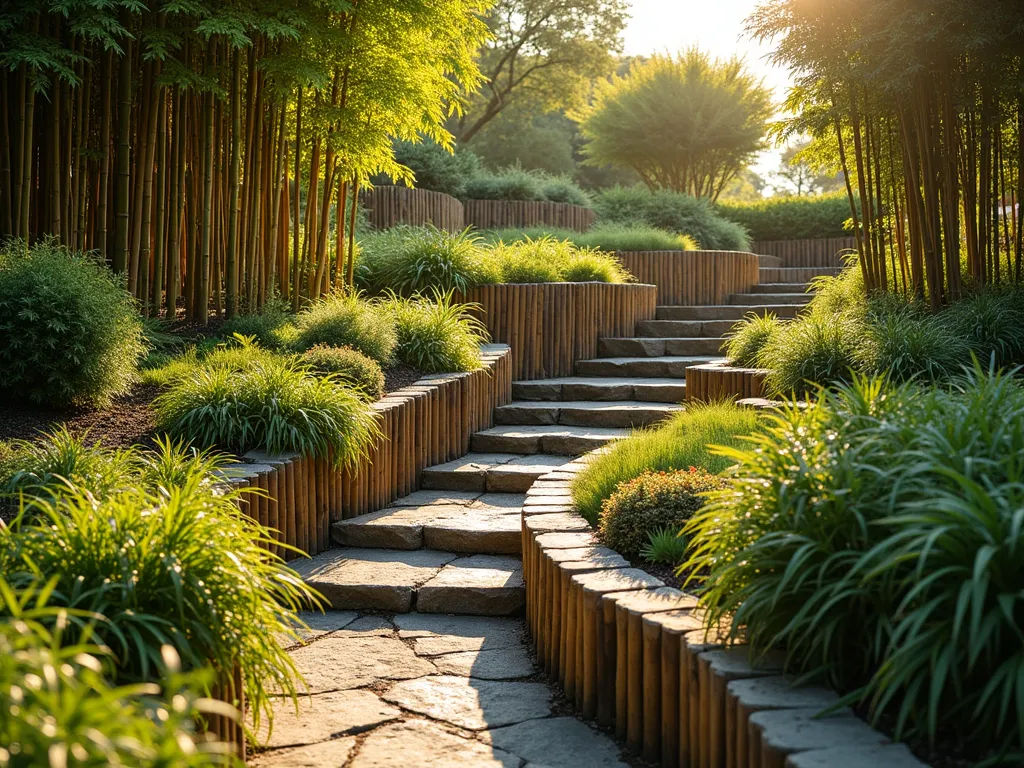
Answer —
317 625
340 663
498 503
500 664
562 741
473 532
325 754
435 634
472 704
323 717
383 579
427 498
484 585
394 746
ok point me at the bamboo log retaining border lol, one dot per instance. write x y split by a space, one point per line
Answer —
693 277
389 206
719 380
429 422
498 214
635 656
550 326
812 252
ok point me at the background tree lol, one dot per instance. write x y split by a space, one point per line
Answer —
686 123
801 173
547 51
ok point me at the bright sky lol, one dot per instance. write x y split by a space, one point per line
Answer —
715 26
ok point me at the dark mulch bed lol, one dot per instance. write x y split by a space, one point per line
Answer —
400 375
128 420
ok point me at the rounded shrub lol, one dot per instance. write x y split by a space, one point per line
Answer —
651 503
550 260
791 218
674 212
347 320
904 341
246 398
270 327
814 349
354 368
439 335
562 189
437 169
69 333
749 337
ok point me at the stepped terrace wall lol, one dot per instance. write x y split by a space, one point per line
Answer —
635 656
816 252
500 214
693 277
721 381
389 206
427 423
550 326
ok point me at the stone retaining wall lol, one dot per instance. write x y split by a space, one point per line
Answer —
693 277
427 423
633 655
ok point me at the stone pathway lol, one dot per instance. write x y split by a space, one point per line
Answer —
424 660
426 690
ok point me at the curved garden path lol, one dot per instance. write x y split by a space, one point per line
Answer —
426 661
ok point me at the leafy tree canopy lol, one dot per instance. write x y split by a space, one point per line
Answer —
687 123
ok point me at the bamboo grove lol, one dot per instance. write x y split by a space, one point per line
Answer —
212 150
921 105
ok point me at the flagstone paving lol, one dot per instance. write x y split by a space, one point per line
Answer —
429 690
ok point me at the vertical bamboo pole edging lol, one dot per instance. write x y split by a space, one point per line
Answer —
693 277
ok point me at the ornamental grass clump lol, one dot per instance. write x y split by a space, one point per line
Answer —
358 371
410 260
57 699
749 337
875 537
650 504
347 320
548 260
605 237
245 398
437 335
69 332
678 444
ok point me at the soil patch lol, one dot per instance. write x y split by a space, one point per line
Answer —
400 375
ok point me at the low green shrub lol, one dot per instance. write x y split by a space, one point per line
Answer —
437 169
515 183
358 371
605 237
409 260
749 337
57 701
439 335
69 333
874 536
791 218
245 398
548 260
665 546
904 341
991 323
347 320
680 443
673 212
181 567
650 503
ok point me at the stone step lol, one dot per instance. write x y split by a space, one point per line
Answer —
749 299
705 329
795 274
423 580
669 366
607 389
628 413
556 440
769 261
722 312
780 288
449 521
495 472
651 347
